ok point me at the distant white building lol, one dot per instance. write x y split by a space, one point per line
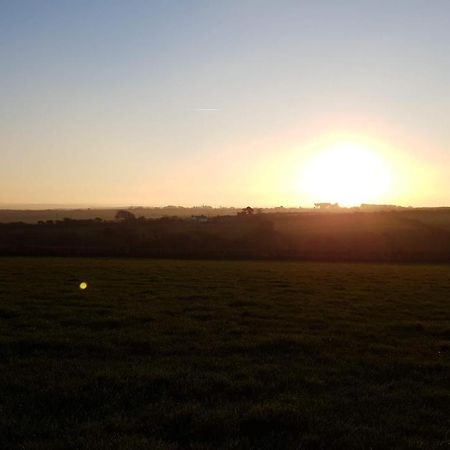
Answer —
326 205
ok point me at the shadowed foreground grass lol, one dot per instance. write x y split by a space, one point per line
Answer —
223 355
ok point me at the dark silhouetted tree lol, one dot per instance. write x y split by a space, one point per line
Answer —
125 216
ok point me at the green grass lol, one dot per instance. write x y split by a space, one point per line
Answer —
223 355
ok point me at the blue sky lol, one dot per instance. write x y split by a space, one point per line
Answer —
102 100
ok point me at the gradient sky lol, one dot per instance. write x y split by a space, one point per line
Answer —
218 102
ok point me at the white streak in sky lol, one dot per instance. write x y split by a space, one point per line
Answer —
206 109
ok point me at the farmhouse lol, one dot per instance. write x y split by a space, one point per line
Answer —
326 205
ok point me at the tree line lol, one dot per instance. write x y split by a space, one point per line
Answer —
413 236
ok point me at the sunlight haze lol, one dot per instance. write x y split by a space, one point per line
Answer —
224 103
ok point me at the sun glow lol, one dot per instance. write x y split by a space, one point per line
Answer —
346 173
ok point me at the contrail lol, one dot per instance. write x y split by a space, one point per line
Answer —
206 109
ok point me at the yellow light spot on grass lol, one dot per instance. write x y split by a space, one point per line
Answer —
83 285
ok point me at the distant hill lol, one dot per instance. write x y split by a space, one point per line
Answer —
404 235
35 215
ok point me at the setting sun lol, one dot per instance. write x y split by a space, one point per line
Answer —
346 173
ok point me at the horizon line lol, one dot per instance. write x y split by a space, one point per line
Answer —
77 206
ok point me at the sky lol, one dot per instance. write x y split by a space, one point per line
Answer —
224 103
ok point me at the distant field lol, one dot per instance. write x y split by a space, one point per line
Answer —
415 236
223 355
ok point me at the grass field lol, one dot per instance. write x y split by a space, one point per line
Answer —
223 355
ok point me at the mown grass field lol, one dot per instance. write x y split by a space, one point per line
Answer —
223 355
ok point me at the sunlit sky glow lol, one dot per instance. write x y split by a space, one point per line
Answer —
224 103
346 173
